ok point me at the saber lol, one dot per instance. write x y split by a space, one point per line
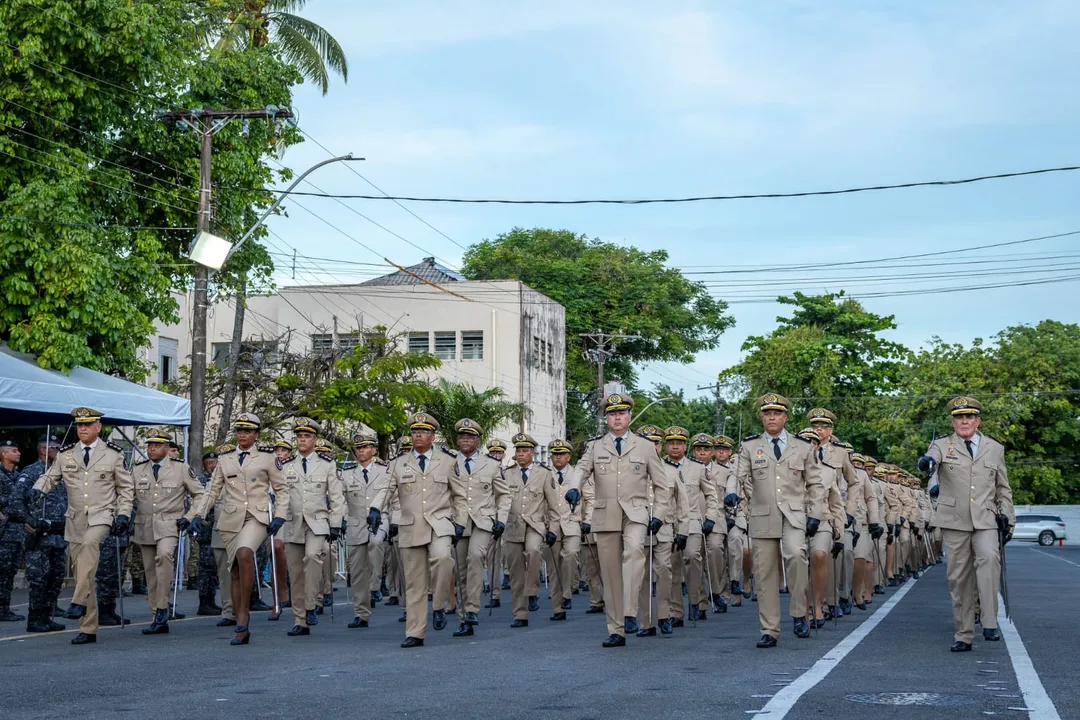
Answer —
457 581
273 564
558 573
1004 575
708 570
491 571
178 561
120 577
813 595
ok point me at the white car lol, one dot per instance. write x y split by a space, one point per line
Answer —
1043 529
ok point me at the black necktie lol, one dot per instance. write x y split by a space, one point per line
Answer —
157 468
776 448
820 455
86 455
560 477
971 452
423 462
524 476
468 466
618 446
303 461
243 456
365 476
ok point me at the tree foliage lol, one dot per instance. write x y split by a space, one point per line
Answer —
453 401
695 414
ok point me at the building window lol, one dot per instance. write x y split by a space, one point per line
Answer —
472 344
324 343
419 342
167 365
551 358
446 345
254 354
536 356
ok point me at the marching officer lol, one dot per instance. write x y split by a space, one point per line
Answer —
162 486
244 477
100 493
976 516
317 505
722 473
496 448
487 502
565 523
780 479
420 481
836 474
365 549
868 528
702 506
623 478
526 527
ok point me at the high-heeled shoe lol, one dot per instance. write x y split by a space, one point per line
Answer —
241 630
274 616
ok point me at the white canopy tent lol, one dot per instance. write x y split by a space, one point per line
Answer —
31 396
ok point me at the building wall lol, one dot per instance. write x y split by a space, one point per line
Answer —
512 318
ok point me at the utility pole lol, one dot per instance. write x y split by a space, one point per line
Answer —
599 354
206 123
719 415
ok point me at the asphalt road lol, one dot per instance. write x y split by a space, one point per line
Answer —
559 670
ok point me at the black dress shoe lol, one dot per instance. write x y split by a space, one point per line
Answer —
594 610
83 639
753 596
614 641
766 641
519 623
736 587
463 631
493 603
75 611
319 609
358 622
438 619
746 594
311 617
960 647
802 630
666 627
675 622
160 625
534 604
297 630
327 600
991 634
38 626
566 604
226 622
892 582
257 605
878 590
392 601
861 606
647 632
411 642
8 616
630 624
403 616
471 619
558 616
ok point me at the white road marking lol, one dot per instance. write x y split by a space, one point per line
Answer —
1036 701
1056 557
785 699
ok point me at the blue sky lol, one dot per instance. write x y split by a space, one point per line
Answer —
641 99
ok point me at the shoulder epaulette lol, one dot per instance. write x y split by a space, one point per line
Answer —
383 464
265 448
224 449
799 437
68 446
751 437
694 460
141 462
114 446
492 457
600 437
176 460
448 451
328 457
546 467
837 444
668 461
831 467
288 459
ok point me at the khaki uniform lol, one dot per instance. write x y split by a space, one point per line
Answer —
832 525
487 501
567 528
526 526
316 503
97 492
973 492
779 493
866 514
365 549
699 491
159 503
882 543
726 546
429 501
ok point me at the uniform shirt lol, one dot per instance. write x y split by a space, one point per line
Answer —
778 490
244 489
615 486
428 499
482 481
316 497
973 489
528 501
101 490
359 496
560 520
160 501
11 513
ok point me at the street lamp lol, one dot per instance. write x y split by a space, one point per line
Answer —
651 404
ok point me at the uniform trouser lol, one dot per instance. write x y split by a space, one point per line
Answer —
736 546
419 564
305 562
846 565
221 557
395 576
159 560
85 556
524 561
377 552
328 569
688 565
364 560
495 571
767 557
974 566
821 544
622 571
666 594
880 571
11 557
591 561
719 553
472 552
903 553
45 576
563 576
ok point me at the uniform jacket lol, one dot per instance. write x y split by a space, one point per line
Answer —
910 505
359 499
487 498
893 505
614 485
528 502
244 490
54 508
560 520
671 505
99 490
726 481
160 503
778 489
869 507
701 502
834 502
11 513
316 498
428 499
973 491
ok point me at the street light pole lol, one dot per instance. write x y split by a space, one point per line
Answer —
660 400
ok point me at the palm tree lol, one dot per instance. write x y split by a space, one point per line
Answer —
308 46
453 401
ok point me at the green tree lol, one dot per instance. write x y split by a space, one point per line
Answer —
608 287
304 44
452 401
696 414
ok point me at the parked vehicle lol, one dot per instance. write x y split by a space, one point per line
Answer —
1043 529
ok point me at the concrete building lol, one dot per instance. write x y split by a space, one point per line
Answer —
489 334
